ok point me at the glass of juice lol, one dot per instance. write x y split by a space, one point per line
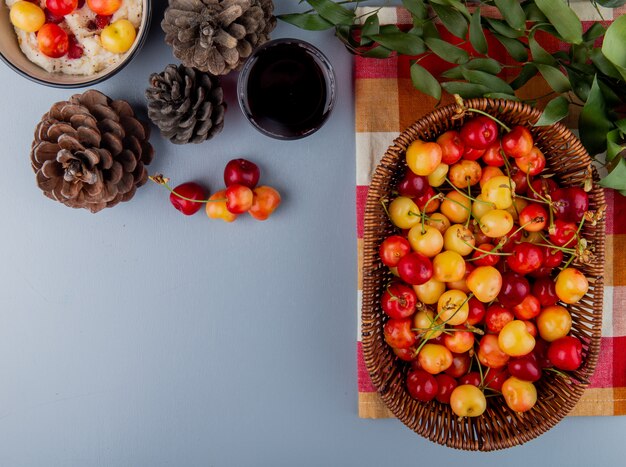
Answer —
286 89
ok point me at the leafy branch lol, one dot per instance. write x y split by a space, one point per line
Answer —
584 75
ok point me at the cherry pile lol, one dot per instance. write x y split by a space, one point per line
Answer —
241 194
486 257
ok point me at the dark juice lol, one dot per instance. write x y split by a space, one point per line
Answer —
287 91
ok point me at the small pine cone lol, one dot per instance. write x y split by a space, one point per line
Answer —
186 104
217 35
90 152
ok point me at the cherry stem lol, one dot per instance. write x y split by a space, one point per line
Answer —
382 202
161 181
486 253
470 109
465 194
437 196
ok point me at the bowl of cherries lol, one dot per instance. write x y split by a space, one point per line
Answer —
483 275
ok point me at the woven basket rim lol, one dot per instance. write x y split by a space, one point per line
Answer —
419 416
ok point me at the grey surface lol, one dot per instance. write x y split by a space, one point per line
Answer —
139 337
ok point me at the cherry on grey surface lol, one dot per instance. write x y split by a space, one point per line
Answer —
139 337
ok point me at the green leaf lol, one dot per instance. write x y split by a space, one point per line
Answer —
594 122
621 125
611 3
555 78
430 30
332 12
494 83
503 29
514 47
533 13
616 178
539 54
488 65
611 98
456 4
401 42
556 110
499 95
416 7
424 81
613 147
452 19
371 27
579 53
378 52
389 28
581 82
527 72
613 45
447 51
602 64
466 90
476 33
594 32
563 18
512 12
310 22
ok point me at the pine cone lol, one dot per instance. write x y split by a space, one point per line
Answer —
187 105
217 35
90 152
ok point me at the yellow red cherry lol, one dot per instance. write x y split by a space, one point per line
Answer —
485 283
515 339
27 16
468 400
422 157
571 285
404 213
118 37
452 307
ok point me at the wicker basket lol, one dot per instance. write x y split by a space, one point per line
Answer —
498 427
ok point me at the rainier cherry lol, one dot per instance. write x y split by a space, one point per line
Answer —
519 395
52 40
27 16
399 333
554 322
217 208
239 199
571 285
515 340
266 200
104 7
468 401
422 158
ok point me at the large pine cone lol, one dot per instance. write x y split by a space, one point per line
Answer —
217 35
90 152
186 104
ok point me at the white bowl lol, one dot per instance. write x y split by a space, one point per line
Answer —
13 56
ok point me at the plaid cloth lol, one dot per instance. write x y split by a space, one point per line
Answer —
385 103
